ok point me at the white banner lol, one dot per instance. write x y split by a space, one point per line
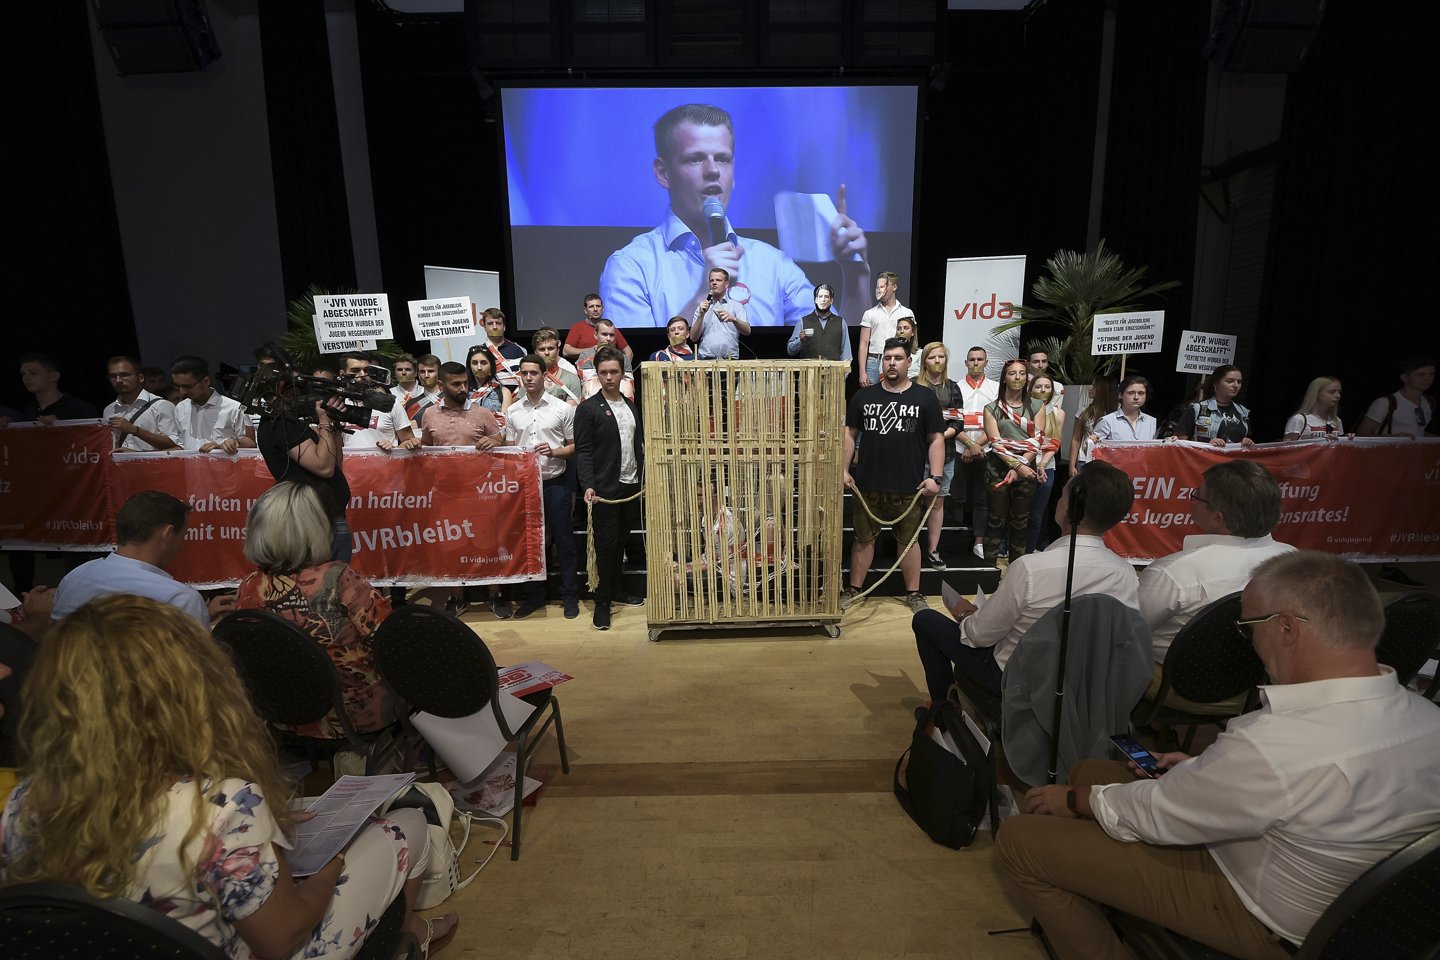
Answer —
350 317
445 317
980 294
1201 352
483 289
1117 333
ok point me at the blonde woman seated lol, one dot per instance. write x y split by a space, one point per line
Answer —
1319 415
146 774
286 539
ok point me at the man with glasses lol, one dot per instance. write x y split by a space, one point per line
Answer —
1236 506
208 420
1243 847
139 419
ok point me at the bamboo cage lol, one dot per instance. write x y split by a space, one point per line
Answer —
743 492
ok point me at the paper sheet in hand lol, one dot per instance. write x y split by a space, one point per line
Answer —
469 744
949 596
803 221
339 814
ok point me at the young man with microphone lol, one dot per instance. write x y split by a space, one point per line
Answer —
718 322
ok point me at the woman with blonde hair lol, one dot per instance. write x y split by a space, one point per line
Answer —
1104 400
1319 415
145 773
935 374
296 579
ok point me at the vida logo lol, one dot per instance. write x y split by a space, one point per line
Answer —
497 486
992 309
80 455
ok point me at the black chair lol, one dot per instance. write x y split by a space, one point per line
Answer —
438 665
1208 662
1388 913
16 652
1412 634
292 681
57 920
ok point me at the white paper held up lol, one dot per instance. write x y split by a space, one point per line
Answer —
804 221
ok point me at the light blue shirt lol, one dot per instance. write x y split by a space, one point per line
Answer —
117 574
656 276
793 346
1114 426
718 340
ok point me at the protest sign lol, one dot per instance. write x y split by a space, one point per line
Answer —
445 317
1116 333
1201 352
343 319
52 485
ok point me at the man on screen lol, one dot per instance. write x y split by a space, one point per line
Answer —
662 274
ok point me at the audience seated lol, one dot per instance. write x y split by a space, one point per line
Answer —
149 532
288 539
195 821
982 640
1235 507
1243 847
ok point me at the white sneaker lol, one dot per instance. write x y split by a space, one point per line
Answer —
980 550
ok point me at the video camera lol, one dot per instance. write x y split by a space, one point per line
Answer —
274 388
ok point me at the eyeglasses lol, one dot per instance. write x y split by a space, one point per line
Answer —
1199 499
894 342
1246 628
123 376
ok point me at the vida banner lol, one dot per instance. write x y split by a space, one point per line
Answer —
434 517
53 494
1375 499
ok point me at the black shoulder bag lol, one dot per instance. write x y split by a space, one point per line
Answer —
945 795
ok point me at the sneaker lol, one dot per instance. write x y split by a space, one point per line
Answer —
916 602
1396 575
629 600
501 608
979 550
572 608
529 607
936 561
456 606
601 620
848 596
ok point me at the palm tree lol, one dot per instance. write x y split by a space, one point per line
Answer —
1078 286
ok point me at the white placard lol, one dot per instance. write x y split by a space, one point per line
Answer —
445 317
351 317
980 294
1201 352
1117 333
342 346
483 289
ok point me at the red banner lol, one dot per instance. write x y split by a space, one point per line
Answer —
439 516
1375 499
52 486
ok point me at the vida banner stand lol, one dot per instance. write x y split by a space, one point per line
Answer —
743 493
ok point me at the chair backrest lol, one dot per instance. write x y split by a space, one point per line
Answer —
1412 632
1388 913
1208 661
435 662
57 920
291 679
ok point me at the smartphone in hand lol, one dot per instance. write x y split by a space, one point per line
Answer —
1147 762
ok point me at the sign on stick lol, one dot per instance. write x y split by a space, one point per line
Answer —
1201 352
1117 333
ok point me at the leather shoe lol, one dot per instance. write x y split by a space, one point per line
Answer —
572 608
601 620
527 608
629 600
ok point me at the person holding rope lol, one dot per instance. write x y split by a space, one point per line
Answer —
903 461
609 452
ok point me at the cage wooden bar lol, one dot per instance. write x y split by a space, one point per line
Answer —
743 492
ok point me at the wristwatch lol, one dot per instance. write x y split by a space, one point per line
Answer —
938 480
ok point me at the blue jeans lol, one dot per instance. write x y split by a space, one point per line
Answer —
942 653
559 529
872 367
342 547
1040 512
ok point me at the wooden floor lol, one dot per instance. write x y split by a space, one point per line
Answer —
729 796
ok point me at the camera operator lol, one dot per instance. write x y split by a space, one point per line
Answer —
310 453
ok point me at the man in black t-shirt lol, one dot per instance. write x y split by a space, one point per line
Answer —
904 451
311 454
41 377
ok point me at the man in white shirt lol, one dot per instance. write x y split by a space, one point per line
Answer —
878 325
718 322
140 420
207 419
150 529
980 640
539 421
1407 411
1236 506
1243 847
387 429
976 392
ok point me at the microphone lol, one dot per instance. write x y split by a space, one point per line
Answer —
715 216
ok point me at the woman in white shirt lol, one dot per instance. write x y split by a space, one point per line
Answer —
1319 415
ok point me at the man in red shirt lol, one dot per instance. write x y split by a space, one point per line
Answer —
582 336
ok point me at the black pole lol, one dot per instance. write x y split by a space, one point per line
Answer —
1074 514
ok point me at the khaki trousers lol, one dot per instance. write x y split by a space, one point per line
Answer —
1066 868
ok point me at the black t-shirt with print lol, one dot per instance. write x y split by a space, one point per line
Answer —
895 429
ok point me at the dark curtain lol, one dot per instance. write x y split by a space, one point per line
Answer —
310 207
1357 211
65 265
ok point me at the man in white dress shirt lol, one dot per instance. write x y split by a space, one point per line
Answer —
139 419
206 418
1243 847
